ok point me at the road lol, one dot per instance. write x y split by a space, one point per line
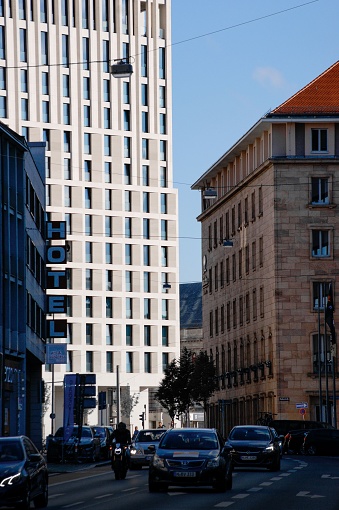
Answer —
304 483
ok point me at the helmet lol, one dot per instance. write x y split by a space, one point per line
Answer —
122 426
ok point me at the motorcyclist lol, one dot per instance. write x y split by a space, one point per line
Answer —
123 436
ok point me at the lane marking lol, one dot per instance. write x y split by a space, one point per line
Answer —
104 496
266 483
307 494
255 489
240 496
329 477
275 478
224 504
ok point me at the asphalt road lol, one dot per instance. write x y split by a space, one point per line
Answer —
304 483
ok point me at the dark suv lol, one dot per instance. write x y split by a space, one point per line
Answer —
88 448
321 442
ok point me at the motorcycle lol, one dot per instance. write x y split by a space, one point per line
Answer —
119 461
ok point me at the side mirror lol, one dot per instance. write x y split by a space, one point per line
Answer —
35 457
152 448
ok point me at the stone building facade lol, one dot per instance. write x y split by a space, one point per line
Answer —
270 250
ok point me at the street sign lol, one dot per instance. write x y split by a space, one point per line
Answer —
302 411
301 405
284 399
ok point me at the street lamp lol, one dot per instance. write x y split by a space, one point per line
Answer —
122 69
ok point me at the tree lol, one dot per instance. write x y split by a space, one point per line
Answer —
187 380
128 402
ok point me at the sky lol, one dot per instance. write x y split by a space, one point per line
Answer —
232 62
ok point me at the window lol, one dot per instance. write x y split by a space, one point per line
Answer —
145 202
88 250
24 80
164 335
88 279
147 335
109 279
108 173
320 293
109 334
109 307
23 45
108 253
24 108
162 123
164 309
143 60
85 53
318 358
165 360
162 73
65 50
127 123
87 143
106 91
107 145
127 173
125 92
88 306
128 281
164 256
129 362
147 362
67 141
89 334
144 94
163 177
88 225
44 82
146 228
44 48
145 175
128 200
144 143
108 226
128 254
108 199
320 190
127 147
86 88
2 43
144 122
45 111
147 281
147 308
320 243
87 115
65 85
147 255
67 196
129 334
107 118
163 203
89 361
88 198
319 140
129 308
162 96
67 113
88 170
109 361
163 146
128 227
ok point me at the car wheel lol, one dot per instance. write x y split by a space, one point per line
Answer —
41 501
311 450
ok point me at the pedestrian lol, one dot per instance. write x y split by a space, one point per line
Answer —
135 433
161 425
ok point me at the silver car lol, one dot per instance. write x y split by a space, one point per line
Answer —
140 453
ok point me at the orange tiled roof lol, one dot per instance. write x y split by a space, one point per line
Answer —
321 96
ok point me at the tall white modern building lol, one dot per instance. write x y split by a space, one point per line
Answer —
109 176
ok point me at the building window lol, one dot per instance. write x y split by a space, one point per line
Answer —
88 170
163 203
144 122
23 45
106 91
164 256
86 87
44 82
164 230
144 94
129 362
127 147
108 199
254 256
163 150
129 334
147 335
147 281
88 279
107 169
162 96
67 169
165 361
87 115
144 143
162 72
87 143
107 118
147 308
320 243
143 60
145 175
147 362
89 334
67 113
127 120
126 93
146 228
109 279
67 196
318 357
127 173
164 309
24 107
128 228
108 253
128 200
319 140
211 324
88 249
88 306
85 53
320 293
109 307
2 43
44 48
128 281
45 111
108 226
88 198
128 254
89 361
165 336
109 334
260 205
67 141
163 177
129 308
147 255
109 361
320 190
261 302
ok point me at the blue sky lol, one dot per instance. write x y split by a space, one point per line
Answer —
225 82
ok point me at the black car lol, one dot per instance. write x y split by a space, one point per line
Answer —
23 474
190 457
104 435
254 446
141 455
87 449
321 442
294 441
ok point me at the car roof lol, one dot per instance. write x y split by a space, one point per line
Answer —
263 427
192 429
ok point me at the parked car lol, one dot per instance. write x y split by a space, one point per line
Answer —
294 441
87 449
254 446
284 426
139 450
23 474
190 457
321 442
104 435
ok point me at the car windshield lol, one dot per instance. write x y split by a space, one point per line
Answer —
190 441
147 436
100 432
249 434
10 451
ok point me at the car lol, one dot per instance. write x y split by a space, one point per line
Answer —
294 441
23 474
140 454
104 435
87 449
280 440
254 446
321 442
190 457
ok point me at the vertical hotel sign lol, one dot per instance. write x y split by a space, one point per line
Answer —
56 279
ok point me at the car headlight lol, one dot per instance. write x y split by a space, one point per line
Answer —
158 461
213 463
136 451
10 480
269 448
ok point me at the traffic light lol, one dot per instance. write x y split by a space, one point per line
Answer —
85 393
142 418
102 400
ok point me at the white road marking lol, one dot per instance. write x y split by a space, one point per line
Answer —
330 477
104 496
240 496
285 474
307 494
266 483
224 504
275 478
255 489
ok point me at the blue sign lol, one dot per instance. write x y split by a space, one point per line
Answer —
56 354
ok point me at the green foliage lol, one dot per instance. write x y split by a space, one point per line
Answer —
186 381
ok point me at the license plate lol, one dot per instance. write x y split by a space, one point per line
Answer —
148 457
184 474
248 457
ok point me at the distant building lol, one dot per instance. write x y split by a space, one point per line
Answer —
191 316
270 245
22 297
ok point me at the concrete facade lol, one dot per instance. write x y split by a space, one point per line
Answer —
265 294
109 176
